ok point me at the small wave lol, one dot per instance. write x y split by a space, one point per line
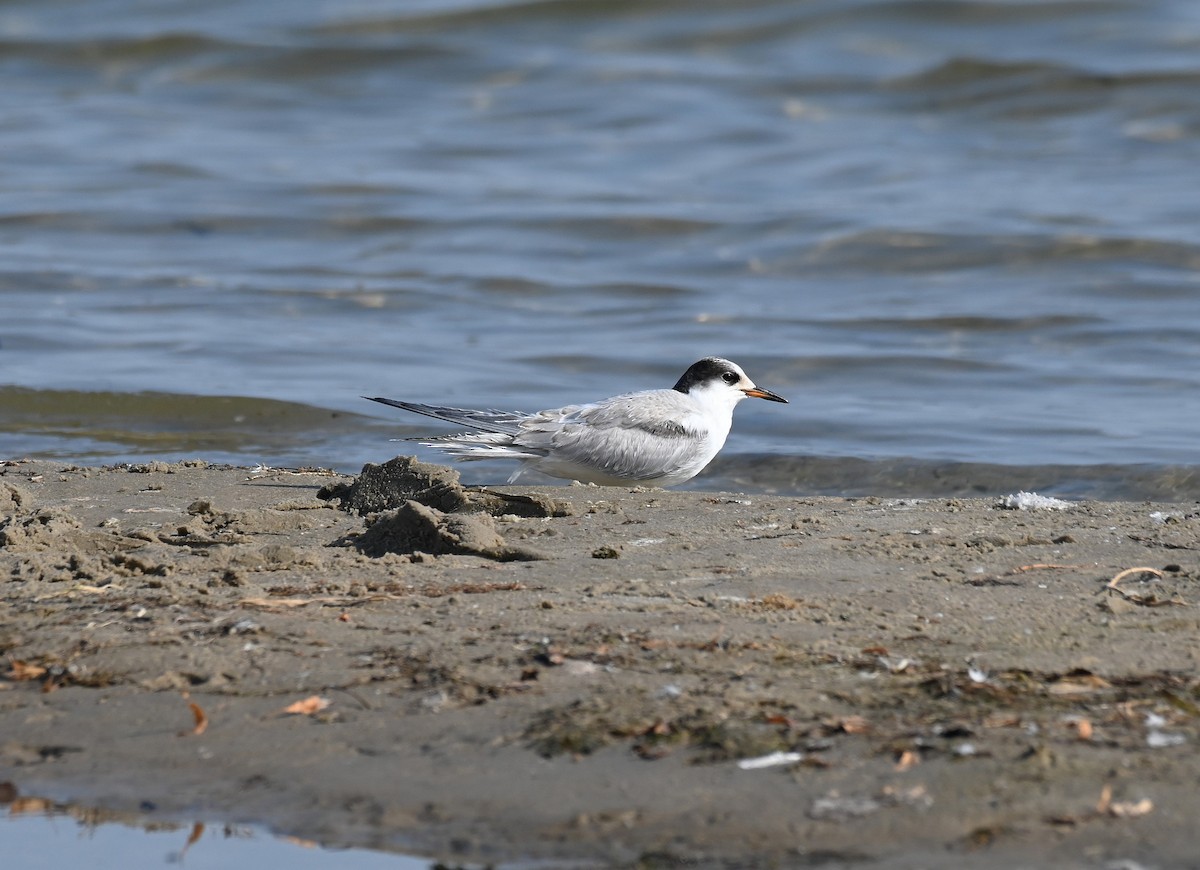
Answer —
910 251
912 478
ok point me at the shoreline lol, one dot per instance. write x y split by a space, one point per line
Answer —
573 673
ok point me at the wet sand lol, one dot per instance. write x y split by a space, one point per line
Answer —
573 674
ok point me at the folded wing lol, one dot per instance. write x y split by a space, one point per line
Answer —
492 420
641 436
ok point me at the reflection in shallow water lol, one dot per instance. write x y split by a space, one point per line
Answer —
37 833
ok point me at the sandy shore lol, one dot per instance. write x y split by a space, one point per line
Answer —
569 673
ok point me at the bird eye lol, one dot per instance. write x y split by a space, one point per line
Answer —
730 378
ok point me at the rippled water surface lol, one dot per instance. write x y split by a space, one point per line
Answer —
955 234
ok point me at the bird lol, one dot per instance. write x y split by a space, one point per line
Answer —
651 438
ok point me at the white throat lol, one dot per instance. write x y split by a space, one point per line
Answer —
716 397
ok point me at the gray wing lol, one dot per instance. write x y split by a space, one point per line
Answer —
639 436
500 422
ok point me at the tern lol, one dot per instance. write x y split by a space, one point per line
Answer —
652 437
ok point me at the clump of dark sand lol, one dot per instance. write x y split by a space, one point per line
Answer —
394 483
405 478
417 528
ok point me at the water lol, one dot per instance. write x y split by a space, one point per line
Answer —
960 236
63 835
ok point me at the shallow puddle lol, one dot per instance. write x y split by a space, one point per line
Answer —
37 834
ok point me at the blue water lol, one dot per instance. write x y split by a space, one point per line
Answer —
950 232
57 841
